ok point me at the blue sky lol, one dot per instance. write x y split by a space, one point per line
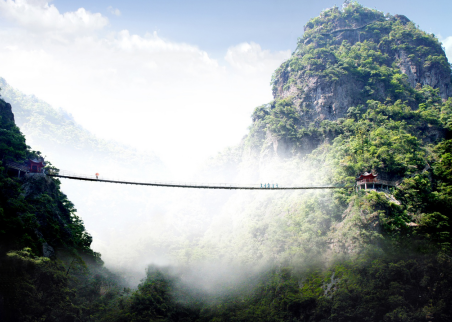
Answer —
186 73
275 25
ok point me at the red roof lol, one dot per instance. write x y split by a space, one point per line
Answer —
36 162
366 175
36 165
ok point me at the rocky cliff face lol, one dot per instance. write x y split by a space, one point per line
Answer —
6 112
346 58
416 55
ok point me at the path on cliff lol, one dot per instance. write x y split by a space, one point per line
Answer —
349 29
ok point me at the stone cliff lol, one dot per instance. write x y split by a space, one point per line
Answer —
6 112
420 59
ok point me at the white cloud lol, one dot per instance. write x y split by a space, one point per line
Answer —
39 15
447 43
251 58
166 96
114 11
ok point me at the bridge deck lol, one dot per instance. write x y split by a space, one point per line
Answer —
186 185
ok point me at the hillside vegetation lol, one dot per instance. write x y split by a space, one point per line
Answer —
48 271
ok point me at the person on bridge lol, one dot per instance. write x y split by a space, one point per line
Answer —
97 175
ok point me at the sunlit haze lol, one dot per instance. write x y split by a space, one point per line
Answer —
178 79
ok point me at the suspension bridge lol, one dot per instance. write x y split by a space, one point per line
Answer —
224 186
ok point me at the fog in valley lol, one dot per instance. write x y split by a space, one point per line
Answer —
135 226
145 108
218 236
215 236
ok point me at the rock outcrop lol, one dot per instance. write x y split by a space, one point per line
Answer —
320 97
6 112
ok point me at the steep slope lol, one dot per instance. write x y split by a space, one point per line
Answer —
393 129
70 147
47 267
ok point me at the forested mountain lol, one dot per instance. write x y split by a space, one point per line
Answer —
350 58
363 92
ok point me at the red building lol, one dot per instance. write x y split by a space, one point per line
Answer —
369 181
367 177
36 165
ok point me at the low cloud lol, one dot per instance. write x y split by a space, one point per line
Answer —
114 11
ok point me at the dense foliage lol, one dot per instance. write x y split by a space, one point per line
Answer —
33 214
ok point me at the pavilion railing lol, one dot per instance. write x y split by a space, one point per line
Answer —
376 181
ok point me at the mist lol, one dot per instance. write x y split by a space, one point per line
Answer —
133 128
140 107
142 90
137 226
211 235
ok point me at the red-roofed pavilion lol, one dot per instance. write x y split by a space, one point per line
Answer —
35 166
369 180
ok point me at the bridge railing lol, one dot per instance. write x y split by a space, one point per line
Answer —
376 181
72 175
63 173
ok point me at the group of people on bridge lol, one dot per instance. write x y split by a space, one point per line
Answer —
267 185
